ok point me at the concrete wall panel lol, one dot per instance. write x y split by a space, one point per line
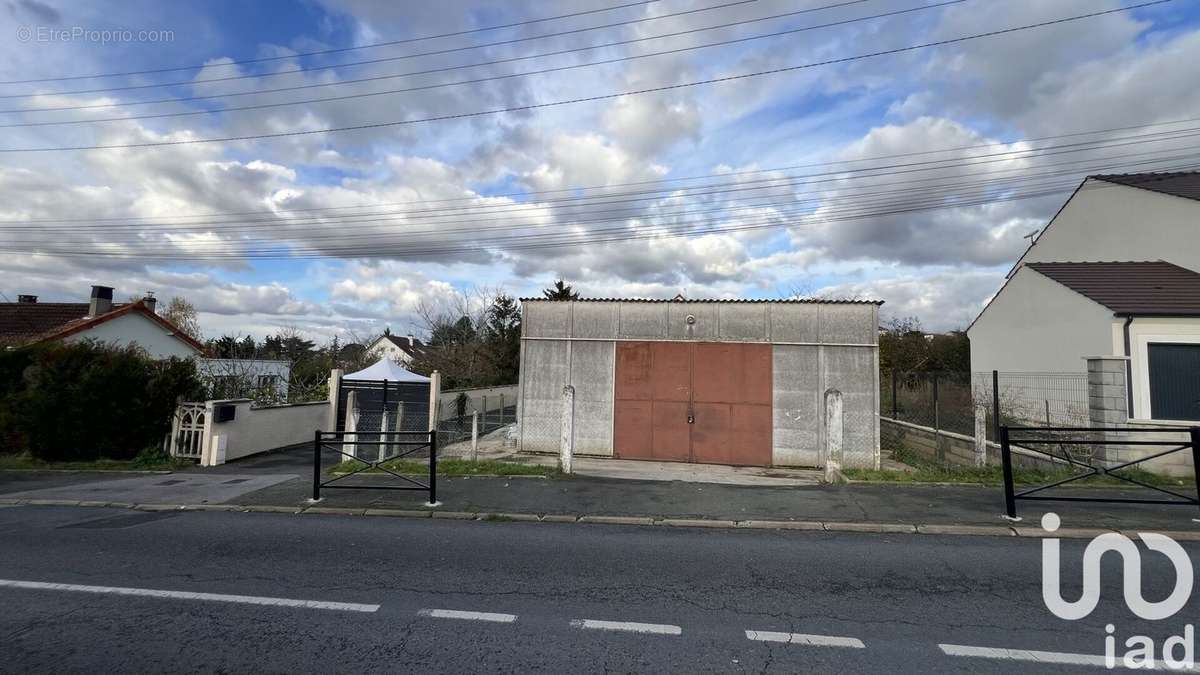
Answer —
546 369
644 320
796 406
743 322
794 323
705 327
546 319
850 370
850 324
592 376
596 320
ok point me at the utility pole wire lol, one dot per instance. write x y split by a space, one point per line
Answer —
585 99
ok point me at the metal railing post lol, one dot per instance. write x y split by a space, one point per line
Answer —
996 404
1195 433
316 494
1010 500
433 467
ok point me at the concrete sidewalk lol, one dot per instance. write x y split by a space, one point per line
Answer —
886 508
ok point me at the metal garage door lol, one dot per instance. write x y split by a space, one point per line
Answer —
707 402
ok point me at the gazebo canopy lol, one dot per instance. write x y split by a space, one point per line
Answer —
385 369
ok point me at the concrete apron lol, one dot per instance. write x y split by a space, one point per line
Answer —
650 521
637 469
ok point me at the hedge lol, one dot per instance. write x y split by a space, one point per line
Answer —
87 401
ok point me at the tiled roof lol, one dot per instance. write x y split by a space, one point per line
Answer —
1184 184
792 301
25 322
1130 288
401 341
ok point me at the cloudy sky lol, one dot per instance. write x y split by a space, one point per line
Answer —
332 164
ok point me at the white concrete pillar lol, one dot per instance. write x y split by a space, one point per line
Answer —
833 436
351 428
567 440
981 413
435 395
335 379
474 436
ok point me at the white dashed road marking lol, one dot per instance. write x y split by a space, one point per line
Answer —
188 595
468 616
805 639
627 626
1034 656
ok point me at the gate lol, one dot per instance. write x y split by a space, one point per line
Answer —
704 402
388 445
187 431
1030 437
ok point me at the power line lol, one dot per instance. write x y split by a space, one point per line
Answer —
585 99
338 50
856 201
479 80
576 189
609 198
437 52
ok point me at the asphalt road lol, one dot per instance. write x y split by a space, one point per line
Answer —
361 594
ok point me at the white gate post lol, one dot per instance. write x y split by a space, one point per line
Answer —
351 428
474 435
567 441
335 379
981 435
833 436
435 395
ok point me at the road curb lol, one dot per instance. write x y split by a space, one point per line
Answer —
927 529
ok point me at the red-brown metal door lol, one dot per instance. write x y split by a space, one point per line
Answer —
653 391
699 402
732 403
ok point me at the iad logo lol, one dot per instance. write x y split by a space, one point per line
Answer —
1132 559
1141 653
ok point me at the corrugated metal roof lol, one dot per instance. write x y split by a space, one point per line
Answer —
1130 288
748 301
1184 184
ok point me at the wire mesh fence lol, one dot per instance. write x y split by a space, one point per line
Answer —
948 401
458 428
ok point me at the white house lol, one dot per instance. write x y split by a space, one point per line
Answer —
1116 273
136 323
397 348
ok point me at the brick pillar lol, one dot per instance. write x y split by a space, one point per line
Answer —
1108 402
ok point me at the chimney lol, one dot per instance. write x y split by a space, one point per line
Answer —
27 299
411 342
101 302
150 302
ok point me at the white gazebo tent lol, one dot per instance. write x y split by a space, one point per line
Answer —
382 375
385 370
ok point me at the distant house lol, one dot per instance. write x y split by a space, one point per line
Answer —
398 348
1116 273
263 379
28 321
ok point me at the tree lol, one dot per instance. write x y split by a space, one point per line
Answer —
902 345
502 339
182 314
560 291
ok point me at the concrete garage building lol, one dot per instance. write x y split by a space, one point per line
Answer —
710 381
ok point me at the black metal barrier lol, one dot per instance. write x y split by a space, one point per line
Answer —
414 441
1043 435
